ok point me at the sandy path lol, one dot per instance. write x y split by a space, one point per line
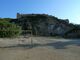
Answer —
43 49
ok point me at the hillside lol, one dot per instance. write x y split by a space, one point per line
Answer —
46 25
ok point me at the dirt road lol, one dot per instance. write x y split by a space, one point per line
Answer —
43 48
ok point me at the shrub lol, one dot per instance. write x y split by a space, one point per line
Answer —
9 30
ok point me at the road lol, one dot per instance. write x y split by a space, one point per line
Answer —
42 48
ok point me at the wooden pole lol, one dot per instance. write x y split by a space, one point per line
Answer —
31 40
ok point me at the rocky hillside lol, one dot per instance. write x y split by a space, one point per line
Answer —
45 25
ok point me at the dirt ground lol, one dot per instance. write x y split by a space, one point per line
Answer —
40 48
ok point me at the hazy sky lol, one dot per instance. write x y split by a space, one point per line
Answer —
65 9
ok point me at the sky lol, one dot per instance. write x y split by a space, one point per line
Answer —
63 9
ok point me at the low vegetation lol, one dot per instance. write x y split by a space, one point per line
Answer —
8 29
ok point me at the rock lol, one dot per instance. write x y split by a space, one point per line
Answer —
43 24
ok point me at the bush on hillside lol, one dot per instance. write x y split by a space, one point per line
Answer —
8 29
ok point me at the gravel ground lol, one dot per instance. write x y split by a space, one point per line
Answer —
39 48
